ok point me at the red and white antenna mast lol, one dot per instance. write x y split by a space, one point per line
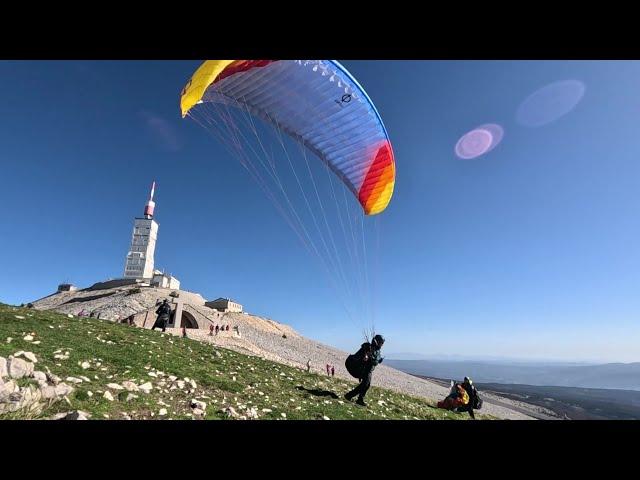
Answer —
148 209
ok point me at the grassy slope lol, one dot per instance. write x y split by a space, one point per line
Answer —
135 352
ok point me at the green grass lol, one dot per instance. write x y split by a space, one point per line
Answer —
224 379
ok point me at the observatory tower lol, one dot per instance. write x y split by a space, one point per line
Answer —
139 264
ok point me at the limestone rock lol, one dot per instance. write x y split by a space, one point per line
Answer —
41 377
115 386
48 392
19 368
28 355
146 387
108 396
198 404
73 380
6 389
130 386
63 389
4 372
85 365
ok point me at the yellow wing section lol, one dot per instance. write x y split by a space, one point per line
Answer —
203 77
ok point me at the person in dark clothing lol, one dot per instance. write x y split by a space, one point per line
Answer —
370 354
467 384
163 312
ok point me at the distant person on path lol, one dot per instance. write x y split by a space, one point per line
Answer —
369 355
333 371
227 328
211 329
184 332
328 369
217 329
163 312
308 365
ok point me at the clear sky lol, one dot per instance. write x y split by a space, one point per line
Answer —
530 251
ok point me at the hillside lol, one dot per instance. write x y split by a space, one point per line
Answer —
124 372
260 336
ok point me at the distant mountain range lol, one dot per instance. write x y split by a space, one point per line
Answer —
483 359
623 376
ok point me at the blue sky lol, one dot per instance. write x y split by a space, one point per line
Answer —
530 251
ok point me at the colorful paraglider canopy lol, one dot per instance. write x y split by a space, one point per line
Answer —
318 103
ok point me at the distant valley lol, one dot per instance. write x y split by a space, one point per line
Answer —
622 376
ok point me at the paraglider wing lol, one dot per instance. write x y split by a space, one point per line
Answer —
318 103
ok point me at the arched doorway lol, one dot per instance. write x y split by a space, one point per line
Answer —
188 321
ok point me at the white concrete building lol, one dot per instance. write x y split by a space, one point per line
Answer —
139 264
224 305
163 280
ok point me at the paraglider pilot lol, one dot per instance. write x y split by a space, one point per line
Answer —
163 312
369 355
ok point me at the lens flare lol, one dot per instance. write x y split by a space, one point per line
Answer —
550 103
479 141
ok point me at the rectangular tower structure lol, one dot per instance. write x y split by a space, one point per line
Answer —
139 264
143 244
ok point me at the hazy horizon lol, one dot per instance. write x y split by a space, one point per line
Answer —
440 357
